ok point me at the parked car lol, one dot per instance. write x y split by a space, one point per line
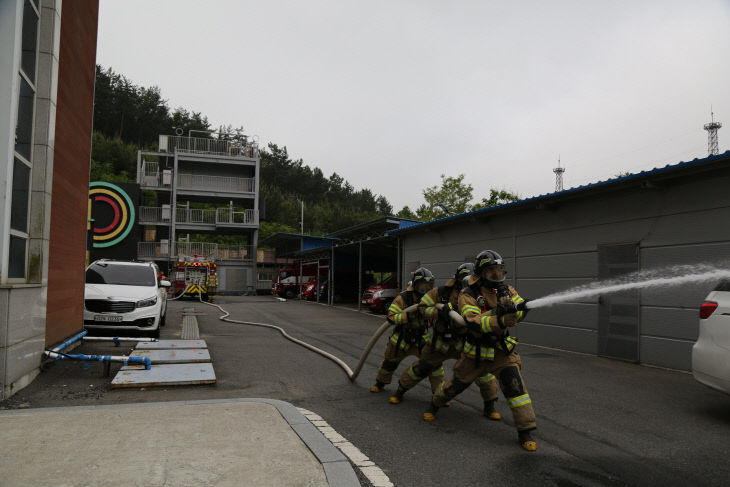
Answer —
711 352
125 297
309 291
378 297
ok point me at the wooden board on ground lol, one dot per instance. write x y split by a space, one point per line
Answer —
174 356
171 344
165 375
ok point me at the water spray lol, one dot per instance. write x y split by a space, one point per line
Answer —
664 277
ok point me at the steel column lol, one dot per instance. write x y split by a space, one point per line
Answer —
359 275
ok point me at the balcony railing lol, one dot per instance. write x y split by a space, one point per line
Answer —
216 183
198 145
218 216
163 250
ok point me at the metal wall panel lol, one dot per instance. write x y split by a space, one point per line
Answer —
665 352
570 314
688 228
670 323
565 265
574 339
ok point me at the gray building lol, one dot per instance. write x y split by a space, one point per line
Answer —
674 215
199 185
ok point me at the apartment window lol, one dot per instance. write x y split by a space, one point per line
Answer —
24 125
21 197
22 162
30 40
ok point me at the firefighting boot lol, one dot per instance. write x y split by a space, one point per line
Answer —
490 412
430 413
378 387
398 396
526 441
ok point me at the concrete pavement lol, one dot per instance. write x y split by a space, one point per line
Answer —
261 442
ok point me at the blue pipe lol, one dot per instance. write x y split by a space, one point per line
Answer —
107 358
70 341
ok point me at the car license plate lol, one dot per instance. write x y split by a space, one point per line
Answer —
107 318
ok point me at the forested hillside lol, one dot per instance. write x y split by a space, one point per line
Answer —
128 117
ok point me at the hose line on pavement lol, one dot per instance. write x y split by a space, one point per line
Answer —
350 374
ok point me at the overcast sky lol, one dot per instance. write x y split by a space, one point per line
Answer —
391 94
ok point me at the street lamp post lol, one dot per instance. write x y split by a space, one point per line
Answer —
301 249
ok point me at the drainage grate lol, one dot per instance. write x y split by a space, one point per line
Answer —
190 328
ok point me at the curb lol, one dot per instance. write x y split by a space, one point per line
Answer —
337 468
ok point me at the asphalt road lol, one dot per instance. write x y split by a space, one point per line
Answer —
600 422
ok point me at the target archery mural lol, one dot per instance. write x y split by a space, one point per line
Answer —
112 219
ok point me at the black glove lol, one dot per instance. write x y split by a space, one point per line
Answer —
523 306
503 309
412 316
444 312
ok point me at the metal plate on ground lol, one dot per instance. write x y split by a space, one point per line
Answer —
166 375
171 344
174 356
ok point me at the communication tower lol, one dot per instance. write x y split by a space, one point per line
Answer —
558 176
712 135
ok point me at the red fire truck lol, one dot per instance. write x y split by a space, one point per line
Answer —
195 275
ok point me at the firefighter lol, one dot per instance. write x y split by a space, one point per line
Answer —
410 332
446 341
490 308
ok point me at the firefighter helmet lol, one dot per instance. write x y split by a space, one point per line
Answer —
422 280
489 266
464 270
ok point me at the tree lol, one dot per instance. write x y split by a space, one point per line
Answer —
496 197
406 213
454 195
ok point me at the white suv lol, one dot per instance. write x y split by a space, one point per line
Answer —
125 296
711 353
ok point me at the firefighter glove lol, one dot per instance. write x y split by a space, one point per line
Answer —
444 312
509 319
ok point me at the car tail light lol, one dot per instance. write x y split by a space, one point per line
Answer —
707 308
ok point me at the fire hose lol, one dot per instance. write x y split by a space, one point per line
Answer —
352 375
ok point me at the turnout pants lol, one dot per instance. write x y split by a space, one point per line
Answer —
394 357
506 368
432 360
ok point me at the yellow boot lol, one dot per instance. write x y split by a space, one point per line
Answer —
397 398
430 413
526 441
490 412
378 387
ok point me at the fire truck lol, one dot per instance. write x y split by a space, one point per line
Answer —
195 275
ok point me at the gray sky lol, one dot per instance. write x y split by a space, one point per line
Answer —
391 94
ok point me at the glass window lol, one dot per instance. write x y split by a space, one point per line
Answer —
16 260
30 41
121 274
24 127
21 193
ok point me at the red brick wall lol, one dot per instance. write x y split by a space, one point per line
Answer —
72 154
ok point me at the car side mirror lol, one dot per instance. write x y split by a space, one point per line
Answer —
164 283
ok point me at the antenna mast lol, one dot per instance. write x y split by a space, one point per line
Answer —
712 135
558 176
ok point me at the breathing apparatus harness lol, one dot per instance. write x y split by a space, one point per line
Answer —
491 340
409 334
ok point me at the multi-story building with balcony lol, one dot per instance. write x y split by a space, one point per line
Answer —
194 189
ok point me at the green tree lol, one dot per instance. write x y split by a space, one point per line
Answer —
407 213
496 197
454 195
